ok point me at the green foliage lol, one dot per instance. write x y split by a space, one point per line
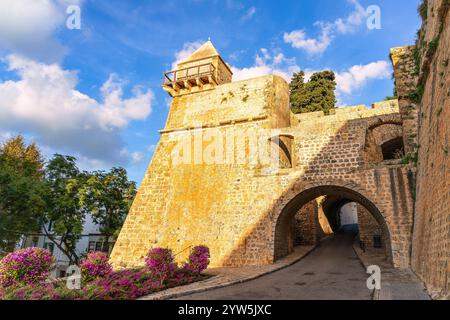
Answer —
417 94
432 46
21 191
387 98
417 60
297 82
64 209
108 197
423 10
33 196
315 95
409 159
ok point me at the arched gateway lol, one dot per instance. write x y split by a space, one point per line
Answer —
283 218
211 182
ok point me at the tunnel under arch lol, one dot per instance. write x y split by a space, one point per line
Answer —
285 217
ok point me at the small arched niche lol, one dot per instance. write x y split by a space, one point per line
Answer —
282 150
393 149
384 142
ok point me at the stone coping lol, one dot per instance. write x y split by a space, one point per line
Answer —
222 277
396 284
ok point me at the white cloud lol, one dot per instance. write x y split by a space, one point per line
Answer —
299 40
353 21
267 63
137 157
358 75
328 30
27 27
44 102
347 81
249 14
185 52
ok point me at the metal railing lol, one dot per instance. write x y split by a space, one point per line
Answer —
176 254
189 73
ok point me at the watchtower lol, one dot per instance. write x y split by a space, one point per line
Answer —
203 69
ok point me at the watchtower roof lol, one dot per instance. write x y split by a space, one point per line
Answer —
207 50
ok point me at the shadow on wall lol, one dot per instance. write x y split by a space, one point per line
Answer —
339 169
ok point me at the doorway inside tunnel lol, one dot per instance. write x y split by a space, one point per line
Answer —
324 211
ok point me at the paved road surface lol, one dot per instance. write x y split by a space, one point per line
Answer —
331 271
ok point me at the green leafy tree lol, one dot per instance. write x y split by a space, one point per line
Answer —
64 208
315 95
21 191
108 197
297 83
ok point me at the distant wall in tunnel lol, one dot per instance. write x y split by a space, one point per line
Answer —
348 214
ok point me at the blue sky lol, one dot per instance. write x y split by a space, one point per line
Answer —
96 92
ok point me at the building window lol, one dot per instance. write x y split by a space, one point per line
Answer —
377 242
91 246
98 246
50 246
62 273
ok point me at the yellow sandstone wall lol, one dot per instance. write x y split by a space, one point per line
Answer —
233 206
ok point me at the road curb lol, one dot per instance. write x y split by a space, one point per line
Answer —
376 292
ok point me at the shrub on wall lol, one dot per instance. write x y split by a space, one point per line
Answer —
95 266
26 266
198 259
160 263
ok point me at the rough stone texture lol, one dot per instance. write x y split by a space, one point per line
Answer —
368 228
305 224
406 82
396 284
430 248
244 210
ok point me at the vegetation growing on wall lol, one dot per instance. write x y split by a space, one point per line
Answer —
424 52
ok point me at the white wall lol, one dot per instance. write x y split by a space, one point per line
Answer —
349 214
61 260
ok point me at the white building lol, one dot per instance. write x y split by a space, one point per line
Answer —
91 240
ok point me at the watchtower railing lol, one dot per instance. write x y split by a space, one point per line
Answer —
198 71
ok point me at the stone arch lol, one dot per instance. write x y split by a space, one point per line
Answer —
298 196
283 144
380 132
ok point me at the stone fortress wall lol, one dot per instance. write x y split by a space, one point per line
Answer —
237 207
249 211
423 71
